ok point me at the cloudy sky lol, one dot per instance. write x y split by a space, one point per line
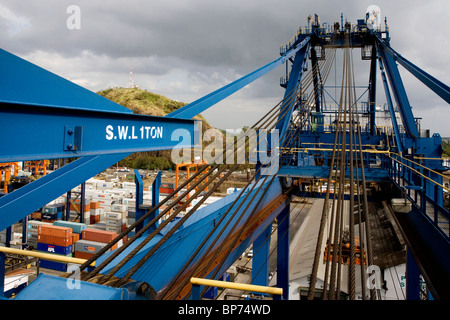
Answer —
184 49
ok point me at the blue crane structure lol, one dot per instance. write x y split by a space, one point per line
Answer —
47 117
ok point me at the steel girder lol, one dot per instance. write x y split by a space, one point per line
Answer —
438 87
35 133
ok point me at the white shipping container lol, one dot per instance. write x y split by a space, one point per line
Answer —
129 185
103 195
113 223
32 236
105 203
114 215
113 228
129 201
34 224
119 208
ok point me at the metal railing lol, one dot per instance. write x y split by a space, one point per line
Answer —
424 187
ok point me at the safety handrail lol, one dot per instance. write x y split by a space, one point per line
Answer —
233 285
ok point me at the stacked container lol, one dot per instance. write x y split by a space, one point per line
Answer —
92 241
52 212
77 228
75 209
55 240
32 232
96 213
116 218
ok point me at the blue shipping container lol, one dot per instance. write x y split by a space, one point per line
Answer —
58 266
77 227
51 248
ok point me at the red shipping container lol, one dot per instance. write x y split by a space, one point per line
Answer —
94 219
57 241
98 235
94 205
83 255
56 231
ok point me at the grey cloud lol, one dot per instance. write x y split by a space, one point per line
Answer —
186 48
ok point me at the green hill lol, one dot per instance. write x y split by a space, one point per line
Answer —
144 102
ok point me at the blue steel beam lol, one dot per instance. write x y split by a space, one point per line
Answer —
25 83
202 104
440 88
391 109
295 77
34 133
399 93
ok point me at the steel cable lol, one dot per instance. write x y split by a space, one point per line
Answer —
223 229
134 252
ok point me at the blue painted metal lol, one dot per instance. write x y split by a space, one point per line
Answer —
24 83
412 277
427 232
399 93
155 195
139 210
260 261
283 242
46 133
290 93
48 287
395 126
372 90
431 82
2 274
202 104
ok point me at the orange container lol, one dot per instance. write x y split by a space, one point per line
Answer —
55 231
83 255
75 237
98 235
94 205
57 241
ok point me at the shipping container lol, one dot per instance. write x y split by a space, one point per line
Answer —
51 216
56 231
75 237
51 248
58 241
83 255
98 235
94 205
54 265
114 215
34 225
53 208
76 227
88 246
94 219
